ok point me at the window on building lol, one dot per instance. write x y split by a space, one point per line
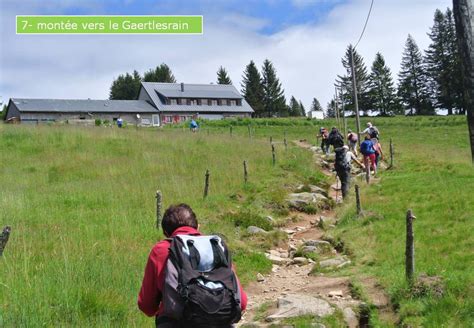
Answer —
179 101
233 102
182 118
199 102
173 101
209 102
228 102
188 102
214 102
219 102
239 102
168 119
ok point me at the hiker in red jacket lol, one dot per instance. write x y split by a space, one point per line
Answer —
177 220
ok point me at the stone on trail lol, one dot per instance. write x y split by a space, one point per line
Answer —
294 305
337 262
300 261
317 243
350 318
300 200
335 293
260 277
312 188
253 230
277 260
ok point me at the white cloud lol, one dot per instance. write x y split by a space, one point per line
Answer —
307 57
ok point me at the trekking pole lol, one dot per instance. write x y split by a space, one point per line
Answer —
206 184
410 248
159 207
4 238
337 187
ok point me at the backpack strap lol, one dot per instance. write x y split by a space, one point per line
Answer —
194 256
219 256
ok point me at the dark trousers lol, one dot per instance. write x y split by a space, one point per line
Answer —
345 177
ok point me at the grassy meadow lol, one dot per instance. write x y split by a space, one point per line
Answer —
81 203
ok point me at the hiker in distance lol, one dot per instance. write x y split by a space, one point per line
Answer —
343 167
335 138
367 149
372 131
324 134
189 278
352 140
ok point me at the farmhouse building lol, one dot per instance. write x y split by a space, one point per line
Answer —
157 104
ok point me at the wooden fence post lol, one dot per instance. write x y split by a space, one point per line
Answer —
4 238
410 248
391 153
273 155
248 128
231 130
357 192
245 172
286 144
206 185
271 139
159 208
367 170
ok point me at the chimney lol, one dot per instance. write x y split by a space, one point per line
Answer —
182 87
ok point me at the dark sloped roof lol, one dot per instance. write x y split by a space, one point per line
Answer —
207 91
83 106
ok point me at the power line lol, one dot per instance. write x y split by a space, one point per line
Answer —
365 25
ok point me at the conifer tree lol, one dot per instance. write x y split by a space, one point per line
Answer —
223 76
413 86
252 89
294 107
302 110
274 98
361 78
455 63
382 95
125 87
331 109
316 106
161 73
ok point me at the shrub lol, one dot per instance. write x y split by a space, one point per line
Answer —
98 122
246 218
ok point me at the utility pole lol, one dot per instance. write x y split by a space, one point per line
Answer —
341 93
356 102
338 113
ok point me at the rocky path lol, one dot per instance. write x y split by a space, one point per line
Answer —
296 285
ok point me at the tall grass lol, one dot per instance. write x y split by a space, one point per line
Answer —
81 205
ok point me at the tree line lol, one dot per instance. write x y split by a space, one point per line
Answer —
263 91
426 81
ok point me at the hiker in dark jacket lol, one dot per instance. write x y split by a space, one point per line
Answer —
343 168
335 138
177 220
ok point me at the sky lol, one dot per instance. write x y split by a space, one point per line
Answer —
305 40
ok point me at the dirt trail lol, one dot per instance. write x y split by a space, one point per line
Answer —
292 278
